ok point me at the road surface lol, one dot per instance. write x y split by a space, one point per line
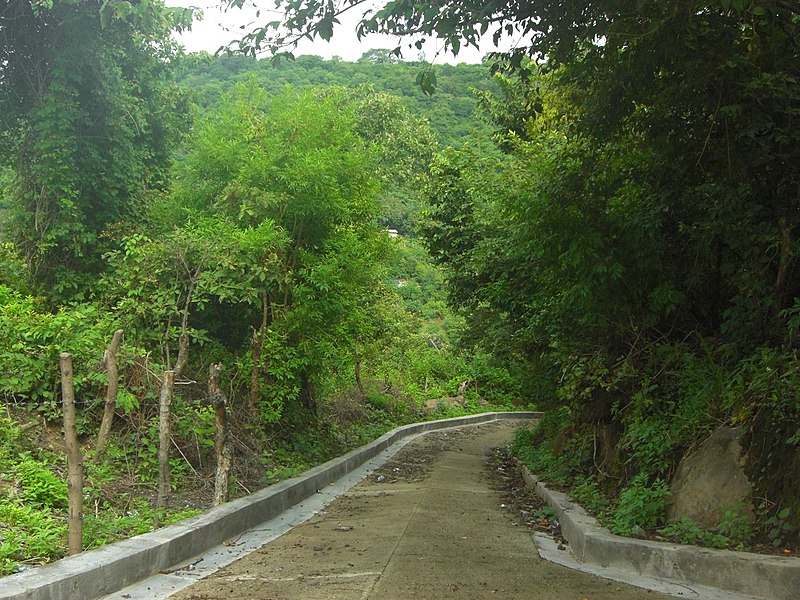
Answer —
426 525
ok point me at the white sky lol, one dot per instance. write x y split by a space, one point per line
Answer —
219 27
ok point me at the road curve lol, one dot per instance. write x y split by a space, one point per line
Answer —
426 525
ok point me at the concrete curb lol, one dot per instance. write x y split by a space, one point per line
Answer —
110 568
756 575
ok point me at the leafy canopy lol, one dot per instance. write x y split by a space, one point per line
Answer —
555 31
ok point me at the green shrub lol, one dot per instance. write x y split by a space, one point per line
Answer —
640 505
779 528
736 526
648 444
9 434
30 535
686 531
39 486
586 492
32 341
541 458
494 382
114 523
378 401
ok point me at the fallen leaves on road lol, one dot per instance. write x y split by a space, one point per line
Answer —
518 498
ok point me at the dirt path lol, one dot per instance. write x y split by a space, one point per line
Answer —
426 525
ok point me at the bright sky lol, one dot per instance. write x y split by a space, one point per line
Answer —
219 27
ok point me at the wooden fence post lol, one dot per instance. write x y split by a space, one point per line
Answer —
222 441
74 460
164 414
110 360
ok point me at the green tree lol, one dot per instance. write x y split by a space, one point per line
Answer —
405 145
87 120
654 154
168 278
267 242
559 33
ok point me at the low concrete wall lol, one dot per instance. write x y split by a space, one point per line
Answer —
105 570
768 577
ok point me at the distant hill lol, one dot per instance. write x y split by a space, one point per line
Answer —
451 111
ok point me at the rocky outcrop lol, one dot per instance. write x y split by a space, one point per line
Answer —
443 403
712 480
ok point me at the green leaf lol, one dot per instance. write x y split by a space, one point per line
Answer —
325 28
426 80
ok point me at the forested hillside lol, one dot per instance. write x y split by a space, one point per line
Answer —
451 111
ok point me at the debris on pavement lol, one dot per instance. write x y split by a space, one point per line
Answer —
525 506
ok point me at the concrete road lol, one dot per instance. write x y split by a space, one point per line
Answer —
426 525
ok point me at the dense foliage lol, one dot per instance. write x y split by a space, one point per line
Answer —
637 243
642 251
624 257
87 121
249 230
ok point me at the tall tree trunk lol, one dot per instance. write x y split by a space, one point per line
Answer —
222 446
359 383
183 352
74 460
257 347
307 394
110 360
782 278
164 415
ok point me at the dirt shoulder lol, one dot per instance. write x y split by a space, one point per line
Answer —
426 525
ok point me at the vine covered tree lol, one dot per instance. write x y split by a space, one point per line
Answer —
87 119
